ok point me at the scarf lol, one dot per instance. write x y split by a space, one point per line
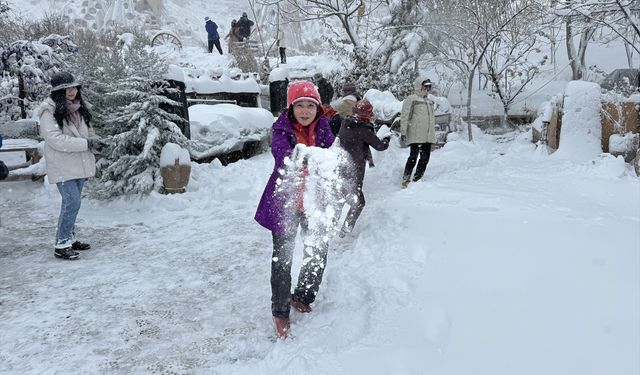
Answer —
307 136
74 116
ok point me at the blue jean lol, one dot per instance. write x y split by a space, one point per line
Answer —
70 191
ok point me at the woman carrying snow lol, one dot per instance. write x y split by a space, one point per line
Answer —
281 208
69 143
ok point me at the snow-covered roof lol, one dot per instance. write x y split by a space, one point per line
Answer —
212 82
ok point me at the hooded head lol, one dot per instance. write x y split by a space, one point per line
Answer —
363 110
244 14
206 18
63 80
317 77
349 88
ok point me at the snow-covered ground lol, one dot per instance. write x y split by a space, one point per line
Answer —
505 260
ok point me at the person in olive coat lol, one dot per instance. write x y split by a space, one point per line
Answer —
356 136
417 126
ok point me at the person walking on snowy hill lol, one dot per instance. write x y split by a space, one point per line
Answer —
281 208
244 27
282 46
69 144
212 35
417 126
356 136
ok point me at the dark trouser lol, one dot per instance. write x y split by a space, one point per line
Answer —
310 277
425 152
283 55
216 43
356 204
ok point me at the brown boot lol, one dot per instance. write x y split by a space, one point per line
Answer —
300 306
282 326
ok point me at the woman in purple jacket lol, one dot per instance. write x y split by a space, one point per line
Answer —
281 208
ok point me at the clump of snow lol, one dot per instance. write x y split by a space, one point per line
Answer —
621 143
211 81
581 131
226 127
384 103
175 73
279 74
172 152
384 131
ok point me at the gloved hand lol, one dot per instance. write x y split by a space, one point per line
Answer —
387 139
403 139
96 145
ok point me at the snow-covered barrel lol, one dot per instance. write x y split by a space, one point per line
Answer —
175 168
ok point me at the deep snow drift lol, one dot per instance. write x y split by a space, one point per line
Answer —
504 261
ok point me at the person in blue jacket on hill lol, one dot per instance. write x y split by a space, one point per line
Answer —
212 35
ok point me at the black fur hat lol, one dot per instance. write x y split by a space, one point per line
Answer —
63 80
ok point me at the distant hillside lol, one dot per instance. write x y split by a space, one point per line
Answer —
183 17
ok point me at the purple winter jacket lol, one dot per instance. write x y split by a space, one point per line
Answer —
276 205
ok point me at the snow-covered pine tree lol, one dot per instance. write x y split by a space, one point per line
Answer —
405 37
128 90
131 164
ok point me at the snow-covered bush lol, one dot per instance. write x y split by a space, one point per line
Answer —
25 70
369 72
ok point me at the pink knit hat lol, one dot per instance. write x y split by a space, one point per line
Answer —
302 91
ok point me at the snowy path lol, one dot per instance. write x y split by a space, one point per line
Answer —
503 261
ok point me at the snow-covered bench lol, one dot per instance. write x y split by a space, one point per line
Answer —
22 157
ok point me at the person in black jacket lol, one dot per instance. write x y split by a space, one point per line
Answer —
324 88
244 27
356 136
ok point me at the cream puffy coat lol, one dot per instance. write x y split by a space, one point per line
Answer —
417 121
66 150
344 105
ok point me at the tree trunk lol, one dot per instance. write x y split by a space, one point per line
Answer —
576 73
21 96
469 91
585 36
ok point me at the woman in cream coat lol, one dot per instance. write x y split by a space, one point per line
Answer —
68 145
417 126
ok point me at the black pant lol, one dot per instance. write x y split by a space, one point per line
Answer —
216 43
310 277
283 55
425 152
356 204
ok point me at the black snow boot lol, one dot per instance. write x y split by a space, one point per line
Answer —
66 253
80 246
